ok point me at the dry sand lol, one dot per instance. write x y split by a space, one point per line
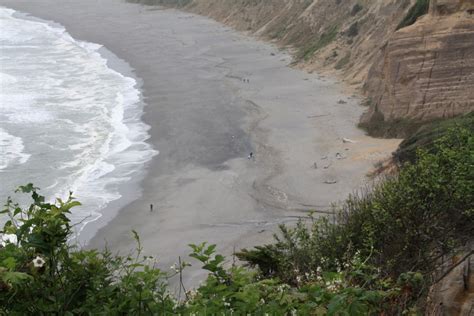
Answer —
213 96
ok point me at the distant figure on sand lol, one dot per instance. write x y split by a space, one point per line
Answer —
151 207
250 156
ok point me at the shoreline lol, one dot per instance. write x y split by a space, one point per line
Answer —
123 193
205 120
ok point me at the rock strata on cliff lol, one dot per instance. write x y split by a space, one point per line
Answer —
426 70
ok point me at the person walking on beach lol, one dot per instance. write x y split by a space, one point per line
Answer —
151 207
250 156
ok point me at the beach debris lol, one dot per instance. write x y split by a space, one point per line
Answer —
330 181
250 156
324 157
339 156
348 140
273 54
328 165
321 115
341 102
261 231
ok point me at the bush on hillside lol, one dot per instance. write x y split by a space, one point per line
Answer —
41 274
403 225
420 8
326 38
426 135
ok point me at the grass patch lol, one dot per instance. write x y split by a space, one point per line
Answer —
420 8
325 39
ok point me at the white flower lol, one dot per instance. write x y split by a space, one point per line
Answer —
332 288
262 301
226 304
38 262
8 238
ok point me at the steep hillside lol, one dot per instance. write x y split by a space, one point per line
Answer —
413 59
425 71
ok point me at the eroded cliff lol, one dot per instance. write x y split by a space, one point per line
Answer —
425 71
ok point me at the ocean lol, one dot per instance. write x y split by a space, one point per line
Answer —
68 121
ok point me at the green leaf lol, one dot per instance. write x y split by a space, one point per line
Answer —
15 278
210 250
9 263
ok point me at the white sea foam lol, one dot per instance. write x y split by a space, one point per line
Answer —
77 118
11 150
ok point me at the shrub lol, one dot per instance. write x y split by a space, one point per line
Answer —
427 134
325 39
420 8
353 30
356 9
401 226
41 274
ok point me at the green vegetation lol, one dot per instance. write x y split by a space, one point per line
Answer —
427 134
353 30
377 126
356 9
325 39
420 8
375 257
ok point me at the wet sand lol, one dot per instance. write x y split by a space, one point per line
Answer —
213 96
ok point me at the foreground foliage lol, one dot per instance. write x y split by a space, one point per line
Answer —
403 225
375 258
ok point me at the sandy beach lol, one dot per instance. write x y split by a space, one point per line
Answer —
212 97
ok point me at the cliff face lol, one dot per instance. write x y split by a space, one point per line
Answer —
426 70
418 73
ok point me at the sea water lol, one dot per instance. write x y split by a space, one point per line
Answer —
68 122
